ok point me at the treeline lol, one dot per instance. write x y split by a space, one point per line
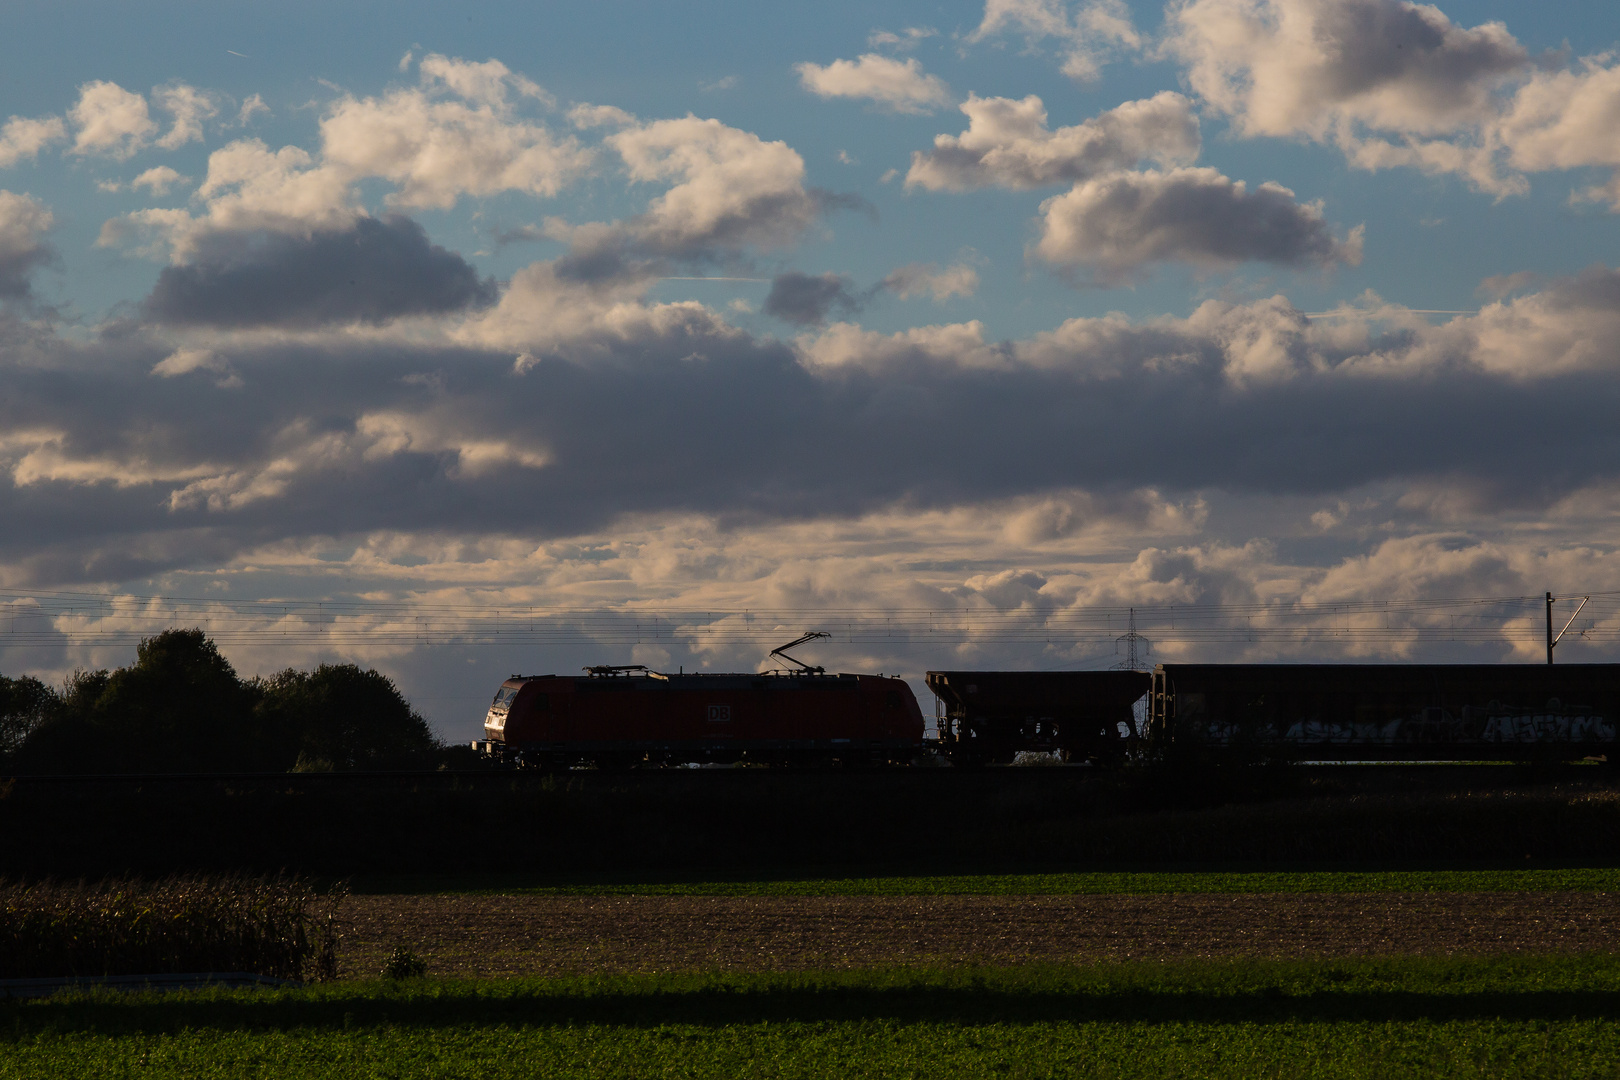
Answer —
182 708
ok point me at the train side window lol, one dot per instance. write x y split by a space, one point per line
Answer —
892 700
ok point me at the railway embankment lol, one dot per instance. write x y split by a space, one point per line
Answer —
669 823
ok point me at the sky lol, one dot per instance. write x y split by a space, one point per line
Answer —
989 315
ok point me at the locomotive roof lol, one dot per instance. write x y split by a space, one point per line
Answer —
737 680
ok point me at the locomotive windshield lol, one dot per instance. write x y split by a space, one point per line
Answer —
504 696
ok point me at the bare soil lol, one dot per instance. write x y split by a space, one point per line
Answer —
553 935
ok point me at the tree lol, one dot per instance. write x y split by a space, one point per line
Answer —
25 705
178 708
181 708
343 717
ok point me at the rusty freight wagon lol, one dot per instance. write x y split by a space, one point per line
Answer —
1386 712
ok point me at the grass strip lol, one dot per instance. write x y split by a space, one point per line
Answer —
1412 881
1386 1017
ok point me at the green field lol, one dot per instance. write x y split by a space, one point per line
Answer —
1416 881
1521 1017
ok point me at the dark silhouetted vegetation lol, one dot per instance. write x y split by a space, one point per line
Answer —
341 718
279 927
25 704
182 708
1090 883
404 964
713 824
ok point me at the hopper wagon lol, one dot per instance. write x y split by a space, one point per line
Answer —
990 717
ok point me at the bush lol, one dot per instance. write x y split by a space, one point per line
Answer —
404 964
279 927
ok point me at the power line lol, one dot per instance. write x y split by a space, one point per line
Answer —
84 618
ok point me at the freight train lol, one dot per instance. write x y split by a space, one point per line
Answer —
623 716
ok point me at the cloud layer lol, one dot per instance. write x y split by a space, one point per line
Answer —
1248 398
807 299
24 221
1121 222
372 272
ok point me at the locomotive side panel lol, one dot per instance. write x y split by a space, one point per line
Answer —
530 709
622 719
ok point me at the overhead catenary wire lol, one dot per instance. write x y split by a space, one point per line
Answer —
36 618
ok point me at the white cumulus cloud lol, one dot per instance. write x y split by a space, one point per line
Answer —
898 85
1566 120
1305 67
1398 84
158 180
731 191
455 134
21 139
1088 33
1007 144
436 148
110 121
189 107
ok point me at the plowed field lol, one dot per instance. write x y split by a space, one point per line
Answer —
551 935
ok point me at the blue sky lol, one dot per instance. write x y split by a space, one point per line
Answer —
1431 240
632 305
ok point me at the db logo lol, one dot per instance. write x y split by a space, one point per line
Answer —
719 712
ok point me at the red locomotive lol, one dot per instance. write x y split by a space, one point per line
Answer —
625 715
